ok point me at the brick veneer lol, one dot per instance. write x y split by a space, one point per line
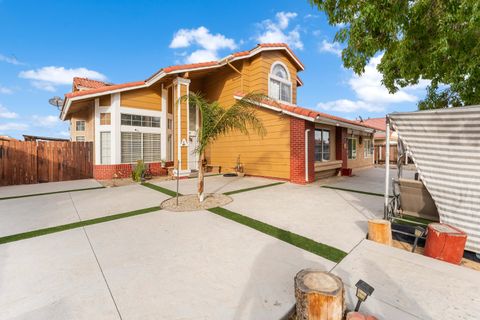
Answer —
297 150
106 171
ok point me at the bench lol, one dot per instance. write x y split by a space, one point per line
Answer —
327 169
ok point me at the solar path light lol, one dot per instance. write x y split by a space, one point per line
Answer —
363 291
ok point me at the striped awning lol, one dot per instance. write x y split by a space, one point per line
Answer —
445 147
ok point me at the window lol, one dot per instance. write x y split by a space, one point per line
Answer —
352 148
105 148
80 125
140 146
322 145
192 117
105 119
368 148
80 138
140 121
280 87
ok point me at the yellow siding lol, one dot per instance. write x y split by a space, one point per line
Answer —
105 101
269 156
147 98
86 114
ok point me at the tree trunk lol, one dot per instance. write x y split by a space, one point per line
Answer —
201 178
380 231
319 295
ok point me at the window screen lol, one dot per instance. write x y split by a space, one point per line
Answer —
105 153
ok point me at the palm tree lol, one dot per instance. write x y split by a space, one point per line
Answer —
217 120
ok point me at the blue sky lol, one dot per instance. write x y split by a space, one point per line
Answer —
43 44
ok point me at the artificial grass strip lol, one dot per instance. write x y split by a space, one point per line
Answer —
75 225
161 189
47 193
320 249
253 188
356 191
412 220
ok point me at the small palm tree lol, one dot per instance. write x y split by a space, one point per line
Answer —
217 120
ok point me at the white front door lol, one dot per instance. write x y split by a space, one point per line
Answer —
193 137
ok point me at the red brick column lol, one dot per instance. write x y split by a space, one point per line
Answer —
297 150
341 151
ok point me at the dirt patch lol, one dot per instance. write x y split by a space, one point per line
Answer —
128 181
190 202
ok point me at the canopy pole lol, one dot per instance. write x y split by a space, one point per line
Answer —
387 168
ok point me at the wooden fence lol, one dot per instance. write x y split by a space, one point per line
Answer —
25 162
380 154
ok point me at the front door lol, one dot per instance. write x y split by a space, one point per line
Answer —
193 137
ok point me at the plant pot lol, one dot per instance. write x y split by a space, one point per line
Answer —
241 174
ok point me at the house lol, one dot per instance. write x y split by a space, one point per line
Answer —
147 120
379 139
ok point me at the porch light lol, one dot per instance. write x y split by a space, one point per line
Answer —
419 232
363 291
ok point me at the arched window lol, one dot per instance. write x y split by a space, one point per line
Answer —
279 83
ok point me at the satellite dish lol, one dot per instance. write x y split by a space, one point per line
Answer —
56 102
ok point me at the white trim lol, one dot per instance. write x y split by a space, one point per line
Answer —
306 154
115 152
164 124
141 112
96 123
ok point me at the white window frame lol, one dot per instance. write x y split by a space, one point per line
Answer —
78 122
81 140
281 80
109 145
142 155
367 152
329 145
348 145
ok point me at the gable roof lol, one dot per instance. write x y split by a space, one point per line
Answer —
311 115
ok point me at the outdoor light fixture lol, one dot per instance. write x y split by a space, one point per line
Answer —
419 231
363 291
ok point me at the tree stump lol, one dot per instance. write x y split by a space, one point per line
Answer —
380 231
319 295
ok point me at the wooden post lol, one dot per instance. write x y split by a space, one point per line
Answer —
380 231
319 295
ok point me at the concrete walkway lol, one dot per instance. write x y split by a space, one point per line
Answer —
161 265
410 286
367 180
32 189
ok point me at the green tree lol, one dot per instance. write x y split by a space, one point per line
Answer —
217 120
422 39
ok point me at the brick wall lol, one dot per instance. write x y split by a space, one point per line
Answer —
297 150
105 172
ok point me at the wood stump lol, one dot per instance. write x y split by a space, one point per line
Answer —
319 295
380 231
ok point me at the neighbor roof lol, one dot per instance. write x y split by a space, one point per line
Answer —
377 123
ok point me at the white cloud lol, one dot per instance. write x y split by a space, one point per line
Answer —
5 90
371 94
209 44
45 121
276 31
10 60
48 78
345 105
7 114
331 47
12 126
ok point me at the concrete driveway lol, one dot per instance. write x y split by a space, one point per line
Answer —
161 265
31 189
38 212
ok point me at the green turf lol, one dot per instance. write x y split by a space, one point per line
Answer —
356 191
411 220
47 193
161 189
79 224
253 188
320 249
